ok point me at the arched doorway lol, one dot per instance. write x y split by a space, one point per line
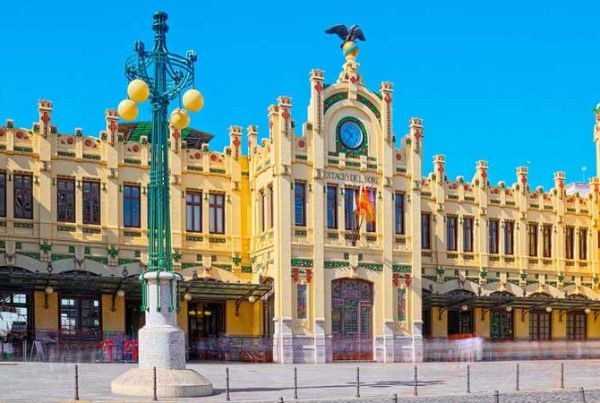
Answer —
352 319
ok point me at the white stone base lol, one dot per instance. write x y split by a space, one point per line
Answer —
169 383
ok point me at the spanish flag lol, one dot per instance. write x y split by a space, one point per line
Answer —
365 205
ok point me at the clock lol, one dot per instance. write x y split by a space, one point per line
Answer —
351 133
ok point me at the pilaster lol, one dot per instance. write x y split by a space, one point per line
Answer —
280 119
414 154
110 154
481 229
43 140
317 152
521 189
177 202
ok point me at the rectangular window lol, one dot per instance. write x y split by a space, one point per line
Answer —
216 205
263 210
300 204
493 236
350 201
501 325
468 234
570 242
509 238
301 301
270 189
2 194
539 325
401 304
65 200
332 210
131 206
576 325
399 213
23 194
193 211
583 244
547 240
425 231
372 219
80 317
532 239
451 232
91 203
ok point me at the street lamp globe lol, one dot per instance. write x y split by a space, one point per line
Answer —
127 109
138 90
180 118
193 100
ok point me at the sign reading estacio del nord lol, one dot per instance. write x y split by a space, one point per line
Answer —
351 177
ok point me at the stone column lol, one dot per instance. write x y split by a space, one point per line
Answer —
161 346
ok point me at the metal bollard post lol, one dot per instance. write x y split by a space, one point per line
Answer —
357 382
154 396
227 384
295 383
468 378
416 383
517 379
582 395
562 375
24 350
76 397
395 398
496 397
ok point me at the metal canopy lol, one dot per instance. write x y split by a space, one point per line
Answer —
449 301
17 279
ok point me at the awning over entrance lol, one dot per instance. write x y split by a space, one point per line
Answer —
110 280
458 300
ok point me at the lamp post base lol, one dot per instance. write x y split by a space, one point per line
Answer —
161 346
169 383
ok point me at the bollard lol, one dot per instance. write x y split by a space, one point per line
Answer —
562 375
416 391
295 383
154 396
24 350
582 395
227 384
280 400
357 382
517 379
395 398
468 378
76 397
496 397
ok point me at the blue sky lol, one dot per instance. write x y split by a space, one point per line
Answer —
511 82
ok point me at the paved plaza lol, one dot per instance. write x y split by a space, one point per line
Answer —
437 382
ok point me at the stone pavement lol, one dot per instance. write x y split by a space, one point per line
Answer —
437 382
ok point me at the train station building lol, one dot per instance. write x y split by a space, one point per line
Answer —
277 264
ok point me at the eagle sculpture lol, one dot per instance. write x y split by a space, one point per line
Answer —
346 34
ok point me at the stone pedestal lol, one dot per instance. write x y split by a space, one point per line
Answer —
161 345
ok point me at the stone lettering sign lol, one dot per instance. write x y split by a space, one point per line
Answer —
351 177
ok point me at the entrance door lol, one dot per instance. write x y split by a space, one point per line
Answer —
206 326
352 319
135 318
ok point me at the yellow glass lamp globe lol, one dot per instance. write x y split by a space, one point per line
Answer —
180 119
127 109
138 90
193 100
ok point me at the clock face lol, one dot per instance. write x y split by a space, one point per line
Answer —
351 134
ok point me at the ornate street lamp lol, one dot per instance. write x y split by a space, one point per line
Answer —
160 76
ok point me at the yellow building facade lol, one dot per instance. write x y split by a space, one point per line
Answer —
277 264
